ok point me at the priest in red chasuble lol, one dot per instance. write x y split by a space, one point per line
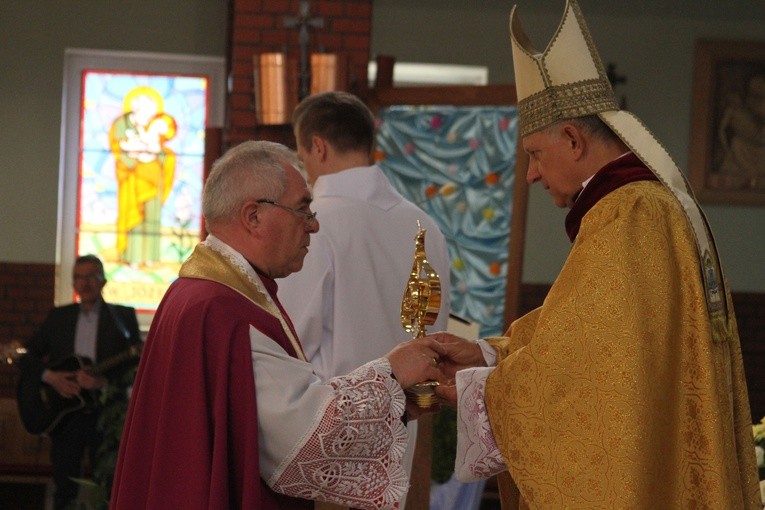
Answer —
226 412
626 388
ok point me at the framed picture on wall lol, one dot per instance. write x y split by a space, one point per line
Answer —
727 149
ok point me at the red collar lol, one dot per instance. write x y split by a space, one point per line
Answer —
617 173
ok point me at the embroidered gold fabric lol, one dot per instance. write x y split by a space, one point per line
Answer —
613 394
207 264
563 102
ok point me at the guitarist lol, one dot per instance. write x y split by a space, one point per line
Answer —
90 330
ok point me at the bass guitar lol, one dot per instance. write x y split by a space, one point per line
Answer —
42 408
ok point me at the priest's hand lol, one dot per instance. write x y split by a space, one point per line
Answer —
458 353
416 361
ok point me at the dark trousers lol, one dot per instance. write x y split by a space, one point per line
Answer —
75 434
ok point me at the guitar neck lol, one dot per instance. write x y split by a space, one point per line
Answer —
115 360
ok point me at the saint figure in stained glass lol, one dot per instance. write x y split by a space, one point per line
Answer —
145 169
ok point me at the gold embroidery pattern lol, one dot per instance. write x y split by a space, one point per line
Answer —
616 395
556 103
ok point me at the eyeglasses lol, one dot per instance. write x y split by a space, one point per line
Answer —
308 215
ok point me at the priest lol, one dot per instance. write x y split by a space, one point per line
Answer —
226 412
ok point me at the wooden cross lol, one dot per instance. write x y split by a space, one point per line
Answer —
304 21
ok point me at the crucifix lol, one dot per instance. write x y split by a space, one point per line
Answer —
304 21
616 79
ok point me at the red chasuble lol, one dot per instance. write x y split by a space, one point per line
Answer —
191 435
624 170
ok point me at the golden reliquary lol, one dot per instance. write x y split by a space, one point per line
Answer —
419 309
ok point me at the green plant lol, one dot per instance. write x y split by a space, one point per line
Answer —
758 431
114 406
444 444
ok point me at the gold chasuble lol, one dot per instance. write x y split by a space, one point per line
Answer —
613 396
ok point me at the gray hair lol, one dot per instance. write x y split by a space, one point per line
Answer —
251 170
592 125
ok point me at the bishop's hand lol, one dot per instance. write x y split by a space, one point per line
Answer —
458 353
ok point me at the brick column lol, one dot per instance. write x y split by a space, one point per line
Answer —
26 296
257 26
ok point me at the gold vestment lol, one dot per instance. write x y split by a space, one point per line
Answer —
613 394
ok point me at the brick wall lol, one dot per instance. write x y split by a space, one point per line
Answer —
26 295
257 26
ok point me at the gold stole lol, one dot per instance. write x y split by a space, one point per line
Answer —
209 263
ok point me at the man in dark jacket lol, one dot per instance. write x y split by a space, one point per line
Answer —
77 350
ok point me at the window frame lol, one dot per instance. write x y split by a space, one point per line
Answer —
76 61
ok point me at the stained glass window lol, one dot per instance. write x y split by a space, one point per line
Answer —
139 170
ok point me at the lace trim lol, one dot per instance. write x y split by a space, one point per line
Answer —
478 456
354 457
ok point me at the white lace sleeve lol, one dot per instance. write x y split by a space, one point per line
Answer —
478 456
341 441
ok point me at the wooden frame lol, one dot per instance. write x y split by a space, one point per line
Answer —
727 150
